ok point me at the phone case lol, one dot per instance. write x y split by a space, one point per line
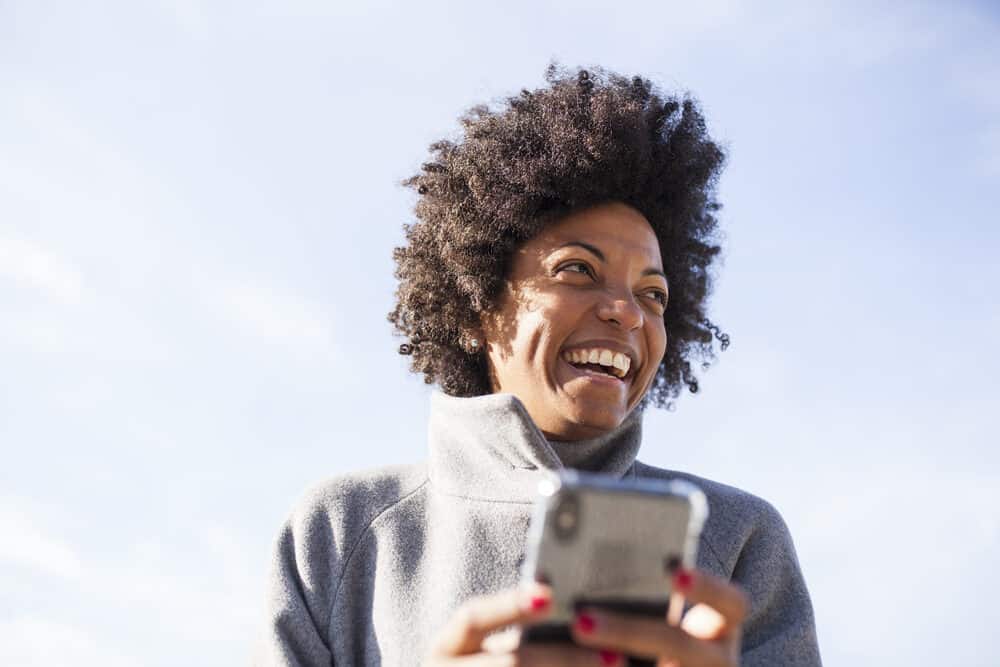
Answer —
604 542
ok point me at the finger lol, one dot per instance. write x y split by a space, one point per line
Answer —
724 597
645 637
480 616
703 622
502 642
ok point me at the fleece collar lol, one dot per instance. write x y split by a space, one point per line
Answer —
488 448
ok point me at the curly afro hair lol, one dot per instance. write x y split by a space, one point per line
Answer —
585 138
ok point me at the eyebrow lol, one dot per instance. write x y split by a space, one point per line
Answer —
600 255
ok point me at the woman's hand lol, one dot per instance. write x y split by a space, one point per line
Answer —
468 638
709 635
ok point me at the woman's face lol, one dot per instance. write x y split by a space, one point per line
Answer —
588 287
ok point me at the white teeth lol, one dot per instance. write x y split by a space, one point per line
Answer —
618 363
621 362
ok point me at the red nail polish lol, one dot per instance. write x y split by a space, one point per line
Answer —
539 603
585 623
609 658
683 580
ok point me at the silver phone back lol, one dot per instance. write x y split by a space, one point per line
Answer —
595 539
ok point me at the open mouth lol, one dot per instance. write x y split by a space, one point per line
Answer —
599 362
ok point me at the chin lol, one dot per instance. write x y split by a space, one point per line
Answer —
589 421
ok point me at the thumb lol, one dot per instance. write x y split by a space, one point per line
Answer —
703 622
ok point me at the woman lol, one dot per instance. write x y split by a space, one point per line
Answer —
553 287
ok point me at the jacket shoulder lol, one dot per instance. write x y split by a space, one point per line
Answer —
346 505
735 516
753 548
309 555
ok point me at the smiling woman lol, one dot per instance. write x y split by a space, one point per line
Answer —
554 286
591 283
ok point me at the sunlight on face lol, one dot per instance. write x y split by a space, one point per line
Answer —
578 333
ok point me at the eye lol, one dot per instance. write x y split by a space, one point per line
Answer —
576 267
659 296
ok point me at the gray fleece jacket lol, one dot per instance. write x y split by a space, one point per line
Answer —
370 565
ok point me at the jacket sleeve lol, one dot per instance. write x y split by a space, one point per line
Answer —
299 594
780 629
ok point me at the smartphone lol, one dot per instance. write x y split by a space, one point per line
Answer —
598 541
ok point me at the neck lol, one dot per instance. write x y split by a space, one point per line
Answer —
488 447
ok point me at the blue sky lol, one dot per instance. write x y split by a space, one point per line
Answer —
198 203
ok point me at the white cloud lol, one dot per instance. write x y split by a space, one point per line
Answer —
106 328
217 602
36 330
279 317
65 173
30 641
35 267
24 543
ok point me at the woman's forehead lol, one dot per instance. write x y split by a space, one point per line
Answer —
611 229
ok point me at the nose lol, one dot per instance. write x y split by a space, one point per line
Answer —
622 311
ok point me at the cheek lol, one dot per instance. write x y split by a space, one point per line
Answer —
543 327
535 326
521 338
551 314
534 338
564 308
657 347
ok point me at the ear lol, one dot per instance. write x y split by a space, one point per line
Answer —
473 341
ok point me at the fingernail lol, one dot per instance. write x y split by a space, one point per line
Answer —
610 658
683 579
538 603
585 623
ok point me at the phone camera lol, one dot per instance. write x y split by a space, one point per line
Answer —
566 517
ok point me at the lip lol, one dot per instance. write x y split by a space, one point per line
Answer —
614 346
600 379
